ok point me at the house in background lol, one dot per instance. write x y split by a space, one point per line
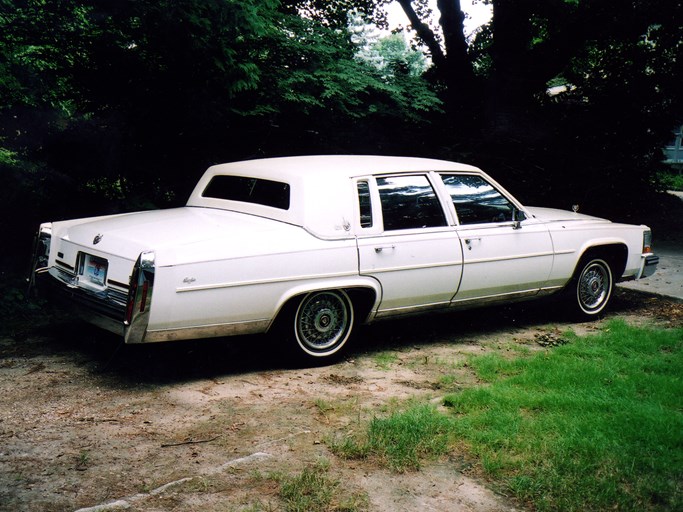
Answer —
673 152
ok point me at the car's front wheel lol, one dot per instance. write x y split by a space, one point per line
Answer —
322 324
593 286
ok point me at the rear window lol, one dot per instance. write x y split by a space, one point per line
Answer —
249 190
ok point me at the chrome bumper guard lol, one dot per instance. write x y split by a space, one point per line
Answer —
649 265
139 298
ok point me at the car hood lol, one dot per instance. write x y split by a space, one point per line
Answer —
167 231
555 215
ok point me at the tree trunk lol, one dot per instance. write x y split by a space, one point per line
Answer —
452 65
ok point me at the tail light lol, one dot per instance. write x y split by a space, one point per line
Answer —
647 241
139 297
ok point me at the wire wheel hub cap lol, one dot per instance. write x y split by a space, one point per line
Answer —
594 287
323 322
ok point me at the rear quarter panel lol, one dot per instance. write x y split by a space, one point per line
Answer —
246 287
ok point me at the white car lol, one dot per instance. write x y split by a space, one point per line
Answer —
310 246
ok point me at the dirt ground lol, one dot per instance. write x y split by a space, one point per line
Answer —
87 424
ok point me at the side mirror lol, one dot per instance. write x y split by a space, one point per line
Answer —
517 217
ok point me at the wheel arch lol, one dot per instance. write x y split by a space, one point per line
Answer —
590 299
614 253
363 293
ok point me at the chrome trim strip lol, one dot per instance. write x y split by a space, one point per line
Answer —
139 298
116 283
466 303
499 296
508 258
410 310
65 265
549 289
207 331
68 278
262 281
105 295
410 267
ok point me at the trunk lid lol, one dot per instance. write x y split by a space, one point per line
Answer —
164 231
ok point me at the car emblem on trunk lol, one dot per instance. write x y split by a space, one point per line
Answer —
97 239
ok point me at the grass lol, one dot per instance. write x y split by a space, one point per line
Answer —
594 424
324 408
384 360
401 440
314 490
447 381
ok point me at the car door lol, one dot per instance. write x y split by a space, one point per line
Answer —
503 257
408 243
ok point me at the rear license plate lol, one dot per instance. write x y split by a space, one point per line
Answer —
95 269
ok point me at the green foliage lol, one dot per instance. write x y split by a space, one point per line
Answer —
124 104
389 54
671 180
313 74
334 13
41 45
7 157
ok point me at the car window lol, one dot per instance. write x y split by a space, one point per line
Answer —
476 201
409 202
364 204
249 190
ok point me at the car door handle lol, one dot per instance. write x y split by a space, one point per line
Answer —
469 241
384 248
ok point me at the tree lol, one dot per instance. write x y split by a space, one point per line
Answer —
529 42
389 54
320 93
620 60
123 103
334 13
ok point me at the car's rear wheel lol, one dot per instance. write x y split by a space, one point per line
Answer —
323 323
593 286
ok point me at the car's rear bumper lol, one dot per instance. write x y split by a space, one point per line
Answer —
106 310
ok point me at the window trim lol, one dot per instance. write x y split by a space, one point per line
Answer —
251 200
375 207
429 175
511 199
359 205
